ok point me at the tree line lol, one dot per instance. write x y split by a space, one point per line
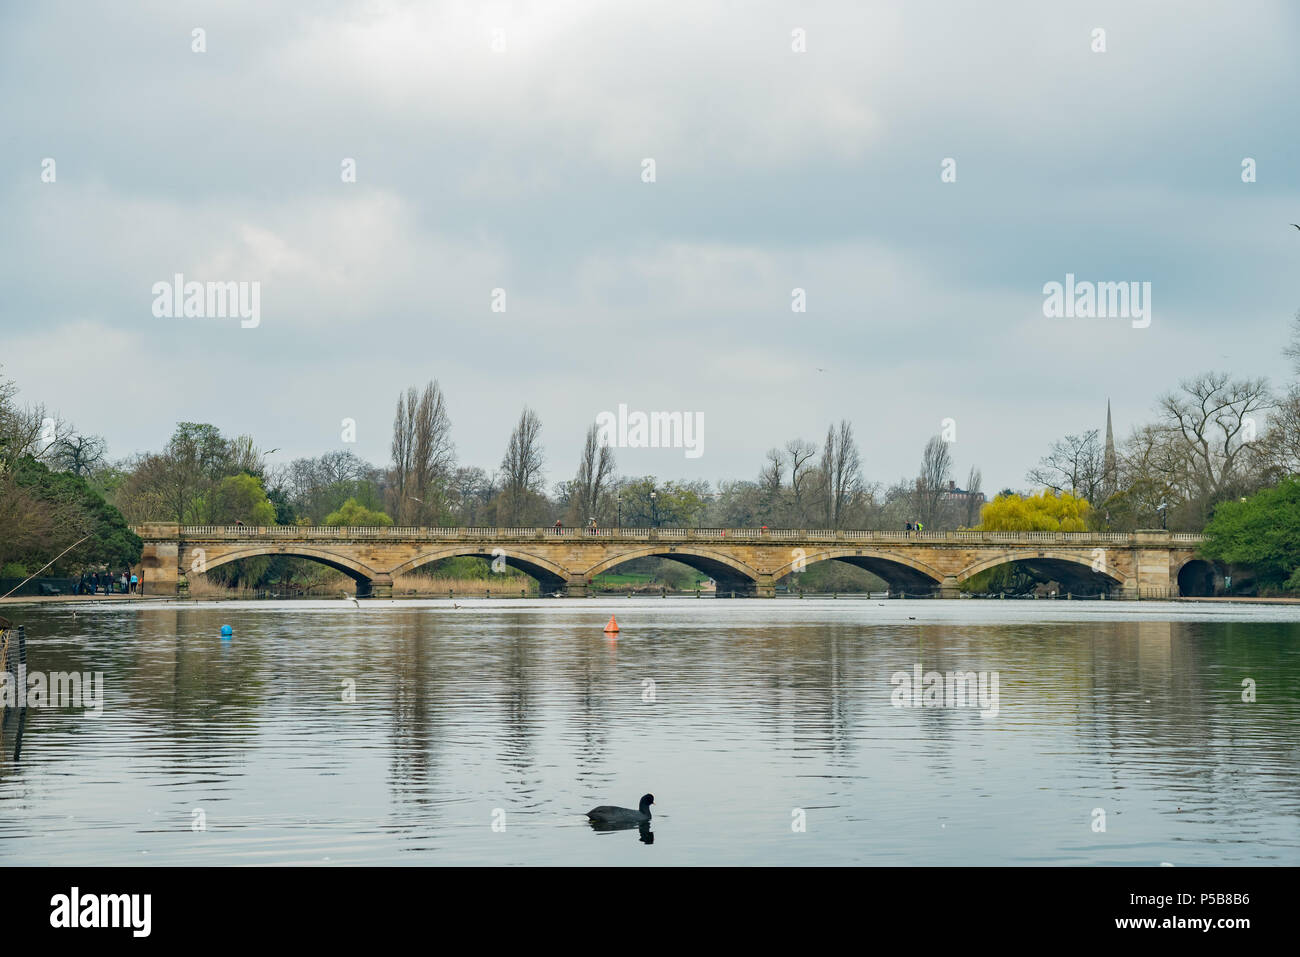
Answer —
1214 438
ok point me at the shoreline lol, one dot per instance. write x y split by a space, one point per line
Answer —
1245 600
75 599
89 599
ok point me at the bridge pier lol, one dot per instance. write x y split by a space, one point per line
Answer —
162 589
160 568
375 588
948 588
575 588
765 587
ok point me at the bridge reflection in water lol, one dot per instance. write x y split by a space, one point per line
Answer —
745 561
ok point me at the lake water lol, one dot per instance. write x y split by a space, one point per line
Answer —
744 718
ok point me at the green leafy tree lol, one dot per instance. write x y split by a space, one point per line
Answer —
239 498
172 485
673 506
1261 532
285 513
43 512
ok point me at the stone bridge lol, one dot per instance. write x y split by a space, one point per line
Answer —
743 561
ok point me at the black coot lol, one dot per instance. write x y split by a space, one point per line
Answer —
607 814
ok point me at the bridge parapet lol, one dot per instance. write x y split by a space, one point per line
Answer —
744 560
168 531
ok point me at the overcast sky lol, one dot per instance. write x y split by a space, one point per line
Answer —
480 168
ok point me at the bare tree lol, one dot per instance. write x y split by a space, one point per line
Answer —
28 430
1281 445
974 488
1292 350
341 465
79 454
933 481
423 456
471 491
1075 464
521 468
770 488
244 456
318 486
799 453
595 472
1152 473
1211 421
141 498
841 468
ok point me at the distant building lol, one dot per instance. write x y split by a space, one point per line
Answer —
960 495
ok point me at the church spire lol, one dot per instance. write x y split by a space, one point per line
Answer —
1110 466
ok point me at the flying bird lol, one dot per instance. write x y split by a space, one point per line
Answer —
1297 227
355 603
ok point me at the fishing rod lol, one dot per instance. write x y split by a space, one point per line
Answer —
45 566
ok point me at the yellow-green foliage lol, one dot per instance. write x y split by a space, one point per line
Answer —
1047 511
353 512
239 498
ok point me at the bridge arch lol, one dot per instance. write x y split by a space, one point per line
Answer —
717 565
348 566
548 574
1072 569
1197 577
900 571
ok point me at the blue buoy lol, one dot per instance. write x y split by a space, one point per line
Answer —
226 631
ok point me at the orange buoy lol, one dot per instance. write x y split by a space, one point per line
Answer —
611 625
